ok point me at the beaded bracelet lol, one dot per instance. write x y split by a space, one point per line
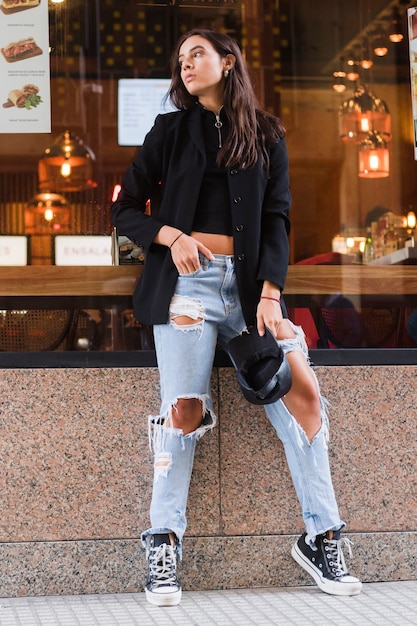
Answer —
269 298
176 238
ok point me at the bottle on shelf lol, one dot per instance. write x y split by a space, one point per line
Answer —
369 250
390 240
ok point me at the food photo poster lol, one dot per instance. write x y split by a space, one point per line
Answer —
24 67
412 37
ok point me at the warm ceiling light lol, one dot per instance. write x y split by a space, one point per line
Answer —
67 165
367 64
366 57
47 213
381 51
396 37
352 75
373 157
395 32
363 113
380 45
411 220
339 84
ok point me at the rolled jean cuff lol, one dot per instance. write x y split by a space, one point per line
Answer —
147 534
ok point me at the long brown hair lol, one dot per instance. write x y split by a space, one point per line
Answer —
250 127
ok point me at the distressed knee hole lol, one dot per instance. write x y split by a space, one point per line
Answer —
163 463
187 414
185 311
183 320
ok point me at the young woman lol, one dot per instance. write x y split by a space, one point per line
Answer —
216 245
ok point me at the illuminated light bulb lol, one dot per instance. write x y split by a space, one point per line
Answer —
364 124
381 51
65 169
373 162
373 157
352 75
339 82
396 37
395 34
367 64
380 44
339 87
411 219
48 215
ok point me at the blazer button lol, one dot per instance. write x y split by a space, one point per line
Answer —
239 228
240 257
237 199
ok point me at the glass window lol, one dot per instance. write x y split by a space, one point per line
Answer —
332 70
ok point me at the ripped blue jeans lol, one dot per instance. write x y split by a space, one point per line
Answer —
185 355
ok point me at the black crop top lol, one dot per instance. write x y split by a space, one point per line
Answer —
213 208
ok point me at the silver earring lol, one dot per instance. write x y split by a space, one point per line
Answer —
226 73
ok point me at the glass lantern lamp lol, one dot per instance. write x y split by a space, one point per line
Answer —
373 157
47 213
361 114
66 165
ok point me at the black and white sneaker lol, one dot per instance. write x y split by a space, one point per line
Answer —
162 586
327 564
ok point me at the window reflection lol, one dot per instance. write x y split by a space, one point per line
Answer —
294 50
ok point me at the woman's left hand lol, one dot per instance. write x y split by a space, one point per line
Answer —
268 314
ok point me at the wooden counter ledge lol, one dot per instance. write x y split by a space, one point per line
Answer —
50 280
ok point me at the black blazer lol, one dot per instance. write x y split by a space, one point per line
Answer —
168 170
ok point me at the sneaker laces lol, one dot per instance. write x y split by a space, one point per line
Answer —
162 565
335 548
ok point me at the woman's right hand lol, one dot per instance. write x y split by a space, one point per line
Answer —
185 253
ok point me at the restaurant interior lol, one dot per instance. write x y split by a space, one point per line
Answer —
343 78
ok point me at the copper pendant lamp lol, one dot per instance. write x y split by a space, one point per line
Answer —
361 114
67 165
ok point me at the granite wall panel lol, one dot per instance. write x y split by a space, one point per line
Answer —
76 473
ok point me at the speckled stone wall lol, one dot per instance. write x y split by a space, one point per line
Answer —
75 480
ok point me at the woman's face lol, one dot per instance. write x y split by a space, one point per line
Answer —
202 68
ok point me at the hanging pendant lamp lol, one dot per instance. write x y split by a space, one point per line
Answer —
373 157
47 213
361 114
67 165
395 31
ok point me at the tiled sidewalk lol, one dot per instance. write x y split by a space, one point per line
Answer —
380 604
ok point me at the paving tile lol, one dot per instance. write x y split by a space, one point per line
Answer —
380 604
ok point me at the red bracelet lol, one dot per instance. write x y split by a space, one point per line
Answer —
269 298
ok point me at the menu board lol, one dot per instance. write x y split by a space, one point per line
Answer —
139 102
24 67
13 250
412 37
83 250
